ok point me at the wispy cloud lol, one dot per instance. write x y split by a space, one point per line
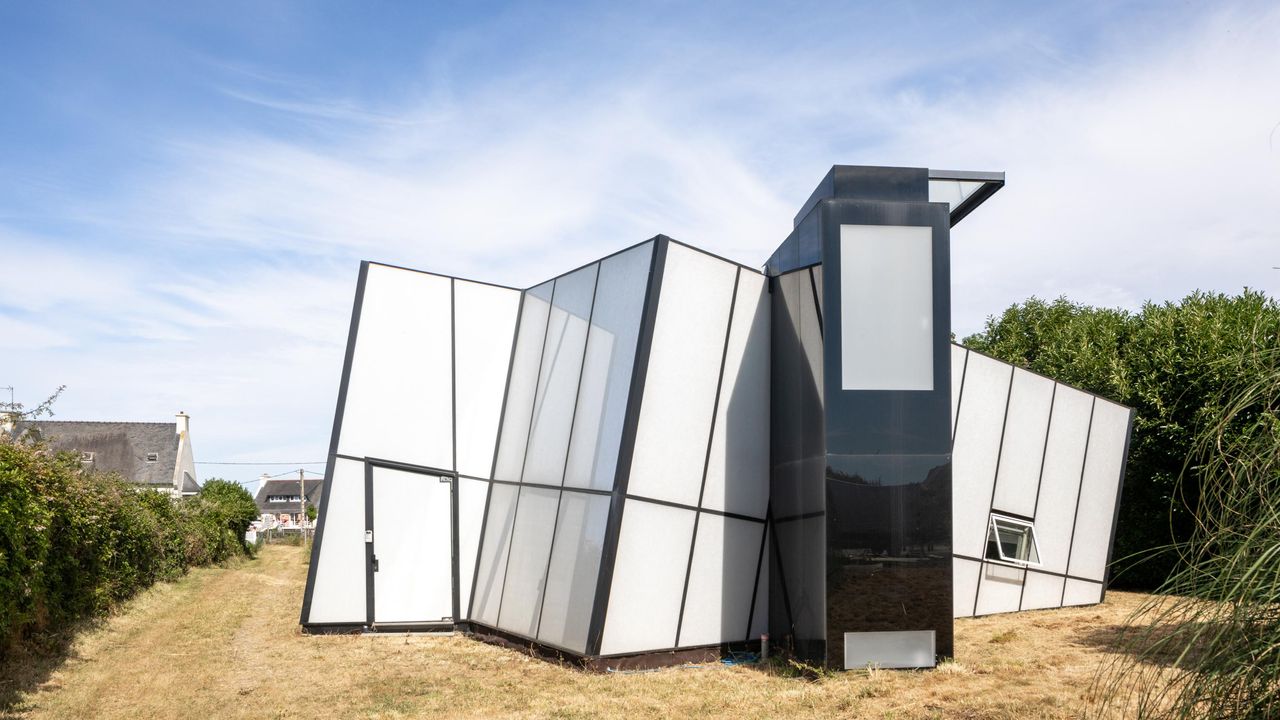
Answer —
216 276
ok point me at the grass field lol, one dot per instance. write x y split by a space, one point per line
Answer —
224 643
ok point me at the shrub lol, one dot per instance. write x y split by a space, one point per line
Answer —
75 543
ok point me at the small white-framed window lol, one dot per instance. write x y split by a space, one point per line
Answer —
1011 540
153 457
86 456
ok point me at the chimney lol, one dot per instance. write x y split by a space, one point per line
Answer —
184 423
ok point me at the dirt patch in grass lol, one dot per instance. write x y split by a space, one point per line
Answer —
225 643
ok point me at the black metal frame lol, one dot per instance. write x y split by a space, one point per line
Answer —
626 448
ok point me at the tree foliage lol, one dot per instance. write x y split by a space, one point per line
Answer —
1170 362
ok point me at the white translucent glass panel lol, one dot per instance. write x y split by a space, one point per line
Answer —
413 542
574 569
1060 482
718 602
527 565
484 327
1098 490
953 192
976 451
886 307
958 357
738 467
1000 589
492 566
1041 591
606 369
964 583
399 402
338 594
471 497
890 649
648 578
558 378
1023 447
1079 592
760 617
680 384
523 383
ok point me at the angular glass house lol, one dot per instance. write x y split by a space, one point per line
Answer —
665 454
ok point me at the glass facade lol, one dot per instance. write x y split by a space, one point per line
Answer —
665 451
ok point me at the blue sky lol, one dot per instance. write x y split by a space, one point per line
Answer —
186 189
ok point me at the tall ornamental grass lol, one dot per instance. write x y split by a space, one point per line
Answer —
1208 645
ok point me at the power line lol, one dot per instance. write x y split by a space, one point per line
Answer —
211 462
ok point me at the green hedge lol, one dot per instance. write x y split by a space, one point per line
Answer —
1170 362
74 543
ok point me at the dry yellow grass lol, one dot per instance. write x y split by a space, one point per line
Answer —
224 643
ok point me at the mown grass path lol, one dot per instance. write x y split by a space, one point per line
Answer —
224 643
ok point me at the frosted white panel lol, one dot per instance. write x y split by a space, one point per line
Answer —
484 327
738 468
1041 591
413 542
471 497
1060 483
1023 446
680 385
1079 592
886 307
953 192
558 379
958 356
524 382
964 585
1101 482
575 567
718 602
648 578
817 283
338 594
976 450
606 371
1000 590
399 402
811 338
760 618
890 649
492 567
527 567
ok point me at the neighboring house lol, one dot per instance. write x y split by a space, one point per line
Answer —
152 455
280 499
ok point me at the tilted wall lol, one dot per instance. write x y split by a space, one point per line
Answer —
1030 448
422 387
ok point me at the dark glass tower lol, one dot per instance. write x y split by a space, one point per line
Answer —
861 464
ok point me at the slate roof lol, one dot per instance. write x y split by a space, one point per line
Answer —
287 487
118 446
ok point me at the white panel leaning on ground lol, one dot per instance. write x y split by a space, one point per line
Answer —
1036 471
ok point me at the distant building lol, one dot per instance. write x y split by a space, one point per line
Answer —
153 455
281 500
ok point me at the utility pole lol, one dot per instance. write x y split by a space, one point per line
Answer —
302 502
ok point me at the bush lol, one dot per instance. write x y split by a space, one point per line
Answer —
1170 362
75 543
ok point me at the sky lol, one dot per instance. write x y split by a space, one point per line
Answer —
186 189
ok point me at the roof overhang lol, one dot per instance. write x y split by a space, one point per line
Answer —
963 190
